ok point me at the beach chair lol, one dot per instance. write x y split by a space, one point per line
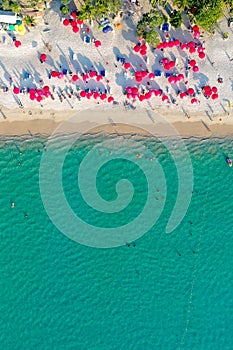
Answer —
157 73
102 73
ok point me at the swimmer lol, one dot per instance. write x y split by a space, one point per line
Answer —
26 215
45 148
12 205
138 155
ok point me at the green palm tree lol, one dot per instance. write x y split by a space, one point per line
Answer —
29 21
181 4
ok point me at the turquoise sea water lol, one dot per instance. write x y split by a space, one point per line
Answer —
165 291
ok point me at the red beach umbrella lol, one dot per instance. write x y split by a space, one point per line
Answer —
195 69
195 28
165 44
183 46
158 92
176 42
66 22
75 29
43 57
60 75
190 91
45 88
134 90
32 97
39 98
151 75
79 21
201 55
129 96
110 99
143 52
192 63
167 66
172 64
89 94
141 98
193 100
171 44
207 88
73 14
97 43
73 23
215 89
196 35
47 93
83 94
136 48
200 49
148 95
182 94
208 93
92 74
32 91
128 89
127 65
192 50
171 79
144 47
103 96
16 90
85 77
17 43
165 98
164 60
180 76
191 44
99 77
144 73
75 77
40 92
138 79
160 46
54 74
214 96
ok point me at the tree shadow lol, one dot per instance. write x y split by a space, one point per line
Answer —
202 78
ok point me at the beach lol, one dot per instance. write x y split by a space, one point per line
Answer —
113 121
113 236
68 53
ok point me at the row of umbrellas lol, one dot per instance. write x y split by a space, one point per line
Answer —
183 46
85 77
140 48
96 95
35 94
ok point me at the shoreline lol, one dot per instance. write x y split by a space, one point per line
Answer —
140 122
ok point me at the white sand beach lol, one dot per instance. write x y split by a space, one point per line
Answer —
205 118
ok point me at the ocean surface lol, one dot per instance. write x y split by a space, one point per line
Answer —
161 291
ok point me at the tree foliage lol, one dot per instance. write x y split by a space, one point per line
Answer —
176 19
146 27
152 38
64 9
29 21
205 13
98 8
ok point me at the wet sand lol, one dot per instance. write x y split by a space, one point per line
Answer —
115 121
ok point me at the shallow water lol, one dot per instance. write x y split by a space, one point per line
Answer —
164 291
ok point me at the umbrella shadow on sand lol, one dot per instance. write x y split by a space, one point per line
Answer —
35 74
202 78
84 62
6 74
74 62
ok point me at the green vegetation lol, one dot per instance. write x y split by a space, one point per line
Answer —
29 21
205 13
147 26
64 9
152 38
8 5
176 19
99 8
